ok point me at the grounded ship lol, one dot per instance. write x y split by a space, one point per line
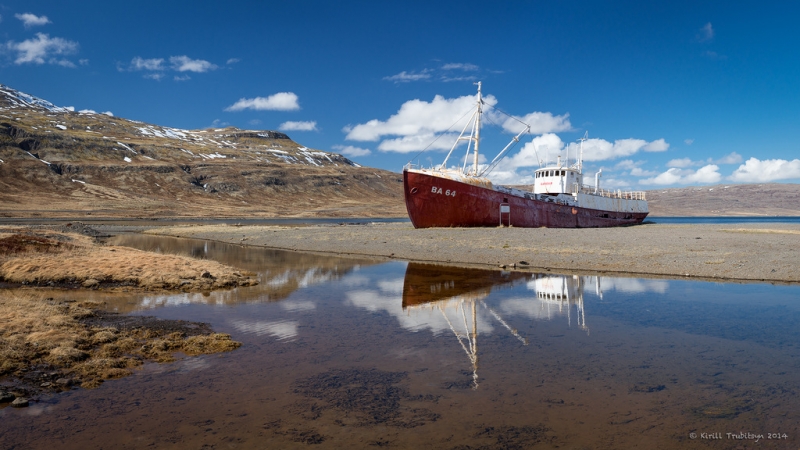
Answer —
453 197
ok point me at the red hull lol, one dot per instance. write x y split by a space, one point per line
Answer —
441 202
429 283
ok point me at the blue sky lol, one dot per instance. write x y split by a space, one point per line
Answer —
671 93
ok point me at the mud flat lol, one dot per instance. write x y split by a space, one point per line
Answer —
744 252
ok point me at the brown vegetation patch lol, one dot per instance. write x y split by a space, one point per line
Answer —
48 258
47 345
20 243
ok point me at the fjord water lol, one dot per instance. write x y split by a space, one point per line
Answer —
344 353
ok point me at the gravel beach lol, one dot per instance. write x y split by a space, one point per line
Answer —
744 252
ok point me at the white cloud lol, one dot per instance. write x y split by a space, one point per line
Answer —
540 122
177 63
600 149
298 126
546 147
634 169
185 64
755 170
628 164
732 158
349 150
688 141
63 63
659 145
419 118
282 101
233 61
139 63
639 172
706 33
42 49
405 77
705 174
460 66
674 175
31 20
448 72
680 163
408 144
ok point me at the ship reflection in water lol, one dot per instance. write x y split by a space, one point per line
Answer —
459 293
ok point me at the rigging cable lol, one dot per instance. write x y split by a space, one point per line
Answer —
437 137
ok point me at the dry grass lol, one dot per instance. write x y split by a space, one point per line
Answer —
40 334
75 260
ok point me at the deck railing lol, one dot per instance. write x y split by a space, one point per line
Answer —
610 193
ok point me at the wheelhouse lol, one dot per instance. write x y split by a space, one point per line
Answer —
557 180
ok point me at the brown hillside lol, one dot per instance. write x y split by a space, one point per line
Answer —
770 199
60 163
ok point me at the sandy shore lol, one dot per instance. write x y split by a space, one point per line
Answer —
746 252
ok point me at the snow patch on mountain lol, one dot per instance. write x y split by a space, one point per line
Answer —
278 145
17 99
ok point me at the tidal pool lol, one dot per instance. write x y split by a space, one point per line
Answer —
344 353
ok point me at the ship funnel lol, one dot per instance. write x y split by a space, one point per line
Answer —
597 180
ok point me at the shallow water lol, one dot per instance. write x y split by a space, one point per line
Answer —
341 353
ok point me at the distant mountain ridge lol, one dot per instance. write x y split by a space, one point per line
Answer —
765 199
12 98
54 160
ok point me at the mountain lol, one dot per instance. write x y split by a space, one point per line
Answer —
55 162
766 199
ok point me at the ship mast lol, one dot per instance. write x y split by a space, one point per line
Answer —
475 138
580 161
477 131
